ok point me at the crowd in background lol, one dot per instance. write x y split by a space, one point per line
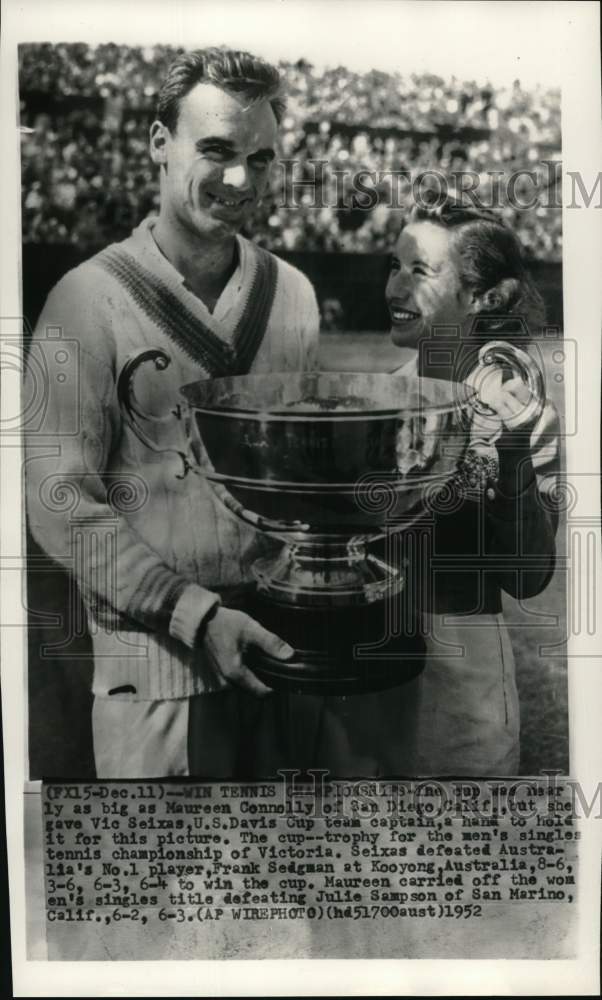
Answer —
87 177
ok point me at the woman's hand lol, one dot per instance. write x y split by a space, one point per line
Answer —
517 406
516 412
514 403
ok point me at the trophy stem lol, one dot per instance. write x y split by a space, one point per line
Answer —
327 574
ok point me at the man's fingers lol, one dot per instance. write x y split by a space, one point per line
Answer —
245 678
235 672
271 644
226 637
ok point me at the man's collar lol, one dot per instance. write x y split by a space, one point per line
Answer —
146 244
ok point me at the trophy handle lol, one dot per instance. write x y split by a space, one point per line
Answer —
257 521
220 484
131 413
500 351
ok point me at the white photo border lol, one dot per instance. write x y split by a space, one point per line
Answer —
572 30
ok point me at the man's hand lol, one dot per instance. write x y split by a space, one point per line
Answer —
228 635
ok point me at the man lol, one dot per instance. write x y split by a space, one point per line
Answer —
152 551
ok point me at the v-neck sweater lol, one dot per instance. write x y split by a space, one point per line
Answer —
148 549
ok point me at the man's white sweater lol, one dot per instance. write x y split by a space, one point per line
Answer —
146 547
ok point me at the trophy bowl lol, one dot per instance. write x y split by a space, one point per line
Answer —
327 463
316 448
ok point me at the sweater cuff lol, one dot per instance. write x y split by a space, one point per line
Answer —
193 605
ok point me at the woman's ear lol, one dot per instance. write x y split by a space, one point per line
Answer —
468 300
486 302
500 298
158 142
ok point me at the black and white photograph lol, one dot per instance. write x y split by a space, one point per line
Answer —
307 452
162 251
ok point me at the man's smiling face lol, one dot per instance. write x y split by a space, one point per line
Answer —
216 161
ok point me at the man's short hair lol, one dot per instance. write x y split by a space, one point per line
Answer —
239 72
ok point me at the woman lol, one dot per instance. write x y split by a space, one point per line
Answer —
458 281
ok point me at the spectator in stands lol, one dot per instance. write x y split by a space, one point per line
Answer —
100 98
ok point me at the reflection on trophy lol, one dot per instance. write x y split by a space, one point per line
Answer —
326 464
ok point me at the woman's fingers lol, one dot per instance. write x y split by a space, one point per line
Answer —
512 400
519 389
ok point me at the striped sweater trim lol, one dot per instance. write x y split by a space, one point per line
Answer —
188 331
151 611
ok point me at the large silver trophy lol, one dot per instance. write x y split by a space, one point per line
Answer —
326 464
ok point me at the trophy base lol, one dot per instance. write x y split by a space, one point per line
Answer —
338 651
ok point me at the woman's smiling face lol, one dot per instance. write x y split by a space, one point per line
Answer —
424 287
